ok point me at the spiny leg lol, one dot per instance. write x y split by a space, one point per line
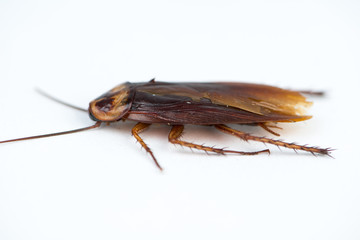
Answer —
177 130
246 137
138 128
267 127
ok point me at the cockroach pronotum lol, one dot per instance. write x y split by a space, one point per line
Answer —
212 104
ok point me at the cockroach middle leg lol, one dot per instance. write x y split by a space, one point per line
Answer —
177 130
138 128
246 137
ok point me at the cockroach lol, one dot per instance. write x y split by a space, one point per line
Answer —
210 103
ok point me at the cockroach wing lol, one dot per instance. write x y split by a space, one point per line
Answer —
255 98
215 103
260 99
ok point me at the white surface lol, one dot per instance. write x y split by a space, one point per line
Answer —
100 185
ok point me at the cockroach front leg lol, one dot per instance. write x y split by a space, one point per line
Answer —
177 130
138 128
246 137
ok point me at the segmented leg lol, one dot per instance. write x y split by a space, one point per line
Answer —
267 127
177 130
138 128
246 137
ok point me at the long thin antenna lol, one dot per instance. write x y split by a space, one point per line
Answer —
97 124
59 101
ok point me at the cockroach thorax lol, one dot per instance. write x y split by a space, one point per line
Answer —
112 105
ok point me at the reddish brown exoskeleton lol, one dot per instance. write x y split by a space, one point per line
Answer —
213 104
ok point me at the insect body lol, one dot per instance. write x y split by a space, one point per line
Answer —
211 104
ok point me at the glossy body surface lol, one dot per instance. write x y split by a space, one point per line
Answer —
214 104
199 103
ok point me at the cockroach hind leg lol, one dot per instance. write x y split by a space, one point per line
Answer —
327 151
279 143
138 128
267 127
176 132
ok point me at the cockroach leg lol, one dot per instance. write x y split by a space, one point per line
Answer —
177 130
267 127
138 128
279 143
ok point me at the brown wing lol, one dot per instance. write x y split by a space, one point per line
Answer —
260 99
236 102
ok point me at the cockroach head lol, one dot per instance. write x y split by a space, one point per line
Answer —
112 105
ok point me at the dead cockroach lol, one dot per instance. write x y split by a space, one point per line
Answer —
212 104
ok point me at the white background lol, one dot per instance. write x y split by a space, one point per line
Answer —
101 185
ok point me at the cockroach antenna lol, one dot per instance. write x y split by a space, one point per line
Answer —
41 92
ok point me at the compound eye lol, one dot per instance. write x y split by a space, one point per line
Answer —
92 117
